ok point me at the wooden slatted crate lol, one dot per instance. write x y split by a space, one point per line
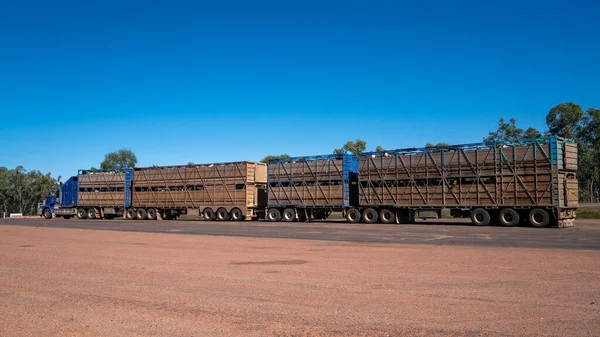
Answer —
101 188
514 174
199 186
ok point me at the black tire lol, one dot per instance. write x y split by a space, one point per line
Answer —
480 217
236 214
273 214
289 215
81 213
208 214
508 217
129 214
387 216
353 215
539 217
370 215
151 214
91 213
222 214
47 213
140 214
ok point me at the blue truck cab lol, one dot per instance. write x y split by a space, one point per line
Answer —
63 202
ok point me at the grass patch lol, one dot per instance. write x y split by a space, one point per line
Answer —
586 214
588 211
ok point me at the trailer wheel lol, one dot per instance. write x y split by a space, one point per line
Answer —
370 215
236 214
387 216
480 217
222 214
208 214
273 214
47 213
289 215
151 214
140 214
81 213
508 217
539 217
129 214
353 215
91 213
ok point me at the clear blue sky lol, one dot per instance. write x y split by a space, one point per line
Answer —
225 81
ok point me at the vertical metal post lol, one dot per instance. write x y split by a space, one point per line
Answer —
444 182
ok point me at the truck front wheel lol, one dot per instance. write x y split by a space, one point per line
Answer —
47 214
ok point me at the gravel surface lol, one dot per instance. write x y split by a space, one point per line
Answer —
105 283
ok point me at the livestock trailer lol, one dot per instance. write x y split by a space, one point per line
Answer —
102 193
312 187
220 191
528 181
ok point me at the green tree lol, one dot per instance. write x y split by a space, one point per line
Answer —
505 132
379 148
120 159
588 155
352 147
266 159
590 129
440 144
587 172
21 190
5 191
509 131
565 120
531 133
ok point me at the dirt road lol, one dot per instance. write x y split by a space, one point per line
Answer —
106 283
459 232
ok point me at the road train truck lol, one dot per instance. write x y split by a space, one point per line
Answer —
525 182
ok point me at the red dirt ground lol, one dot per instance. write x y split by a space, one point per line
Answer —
99 283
